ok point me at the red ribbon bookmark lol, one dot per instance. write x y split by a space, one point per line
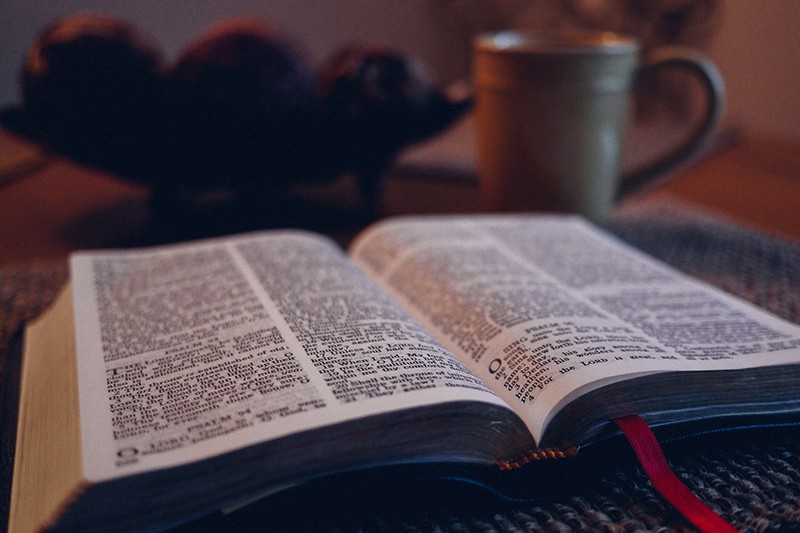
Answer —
651 457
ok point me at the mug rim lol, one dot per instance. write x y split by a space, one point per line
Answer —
557 41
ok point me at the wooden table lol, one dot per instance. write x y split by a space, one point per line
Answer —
755 182
50 206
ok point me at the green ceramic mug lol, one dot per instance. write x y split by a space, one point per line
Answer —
552 112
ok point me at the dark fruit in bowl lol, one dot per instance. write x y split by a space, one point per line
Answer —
375 102
240 99
92 88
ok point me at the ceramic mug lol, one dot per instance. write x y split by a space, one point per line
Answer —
552 112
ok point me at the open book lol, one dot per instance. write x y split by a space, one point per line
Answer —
171 380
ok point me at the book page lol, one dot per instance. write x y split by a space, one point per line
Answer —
546 307
191 350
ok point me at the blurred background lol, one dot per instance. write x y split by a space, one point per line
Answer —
49 206
753 43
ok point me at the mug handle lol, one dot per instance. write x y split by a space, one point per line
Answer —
714 88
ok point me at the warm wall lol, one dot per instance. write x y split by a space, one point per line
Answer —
757 51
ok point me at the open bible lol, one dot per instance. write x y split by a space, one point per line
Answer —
168 381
